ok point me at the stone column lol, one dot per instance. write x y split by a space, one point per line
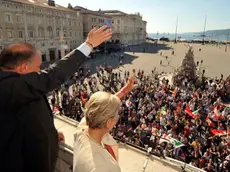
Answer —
25 26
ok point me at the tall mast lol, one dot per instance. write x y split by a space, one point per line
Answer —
205 21
176 29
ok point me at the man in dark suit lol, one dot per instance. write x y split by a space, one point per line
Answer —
29 140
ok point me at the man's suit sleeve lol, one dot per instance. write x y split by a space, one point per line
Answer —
52 77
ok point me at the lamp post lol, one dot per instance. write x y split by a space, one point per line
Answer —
105 57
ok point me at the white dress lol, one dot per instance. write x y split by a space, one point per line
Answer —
92 157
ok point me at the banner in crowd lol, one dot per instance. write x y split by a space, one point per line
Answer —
217 113
163 111
156 132
217 132
193 114
178 110
166 138
175 92
209 122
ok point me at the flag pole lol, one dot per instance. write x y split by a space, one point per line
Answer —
176 29
205 22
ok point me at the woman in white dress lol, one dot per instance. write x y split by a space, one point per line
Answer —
95 150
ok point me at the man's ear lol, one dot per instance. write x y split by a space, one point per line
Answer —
23 68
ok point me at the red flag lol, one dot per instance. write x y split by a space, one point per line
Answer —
217 114
190 113
218 132
175 92
209 122
178 110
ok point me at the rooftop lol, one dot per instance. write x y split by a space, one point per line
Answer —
114 12
41 3
87 11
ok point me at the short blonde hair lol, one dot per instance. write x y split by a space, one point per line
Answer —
101 107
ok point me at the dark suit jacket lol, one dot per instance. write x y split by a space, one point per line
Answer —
28 138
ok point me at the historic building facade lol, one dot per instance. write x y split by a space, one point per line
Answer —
91 19
127 28
42 23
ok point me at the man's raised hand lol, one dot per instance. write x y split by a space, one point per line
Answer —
98 36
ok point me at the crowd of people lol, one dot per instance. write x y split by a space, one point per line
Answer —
188 124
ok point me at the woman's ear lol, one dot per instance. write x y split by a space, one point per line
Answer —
110 124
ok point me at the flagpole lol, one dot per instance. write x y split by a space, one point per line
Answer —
205 21
176 29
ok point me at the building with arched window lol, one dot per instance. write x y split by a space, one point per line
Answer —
41 32
40 23
50 32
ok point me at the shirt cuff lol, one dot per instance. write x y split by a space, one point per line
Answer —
85 49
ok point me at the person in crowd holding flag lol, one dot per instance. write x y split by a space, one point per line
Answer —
94 149
29 140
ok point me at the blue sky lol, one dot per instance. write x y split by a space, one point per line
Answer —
161 14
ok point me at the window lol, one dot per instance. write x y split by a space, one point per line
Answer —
70 33
64 32
0 33
58 33
39 20
1 48
50 32
9 34
19 18
118 21
75 34
8 17
43 57
41 33
79 23
92 19
43 44
50 21
31 34
57 21
92 26
20 34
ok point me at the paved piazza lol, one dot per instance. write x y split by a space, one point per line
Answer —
215 59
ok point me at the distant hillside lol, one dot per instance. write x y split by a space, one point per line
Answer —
218 32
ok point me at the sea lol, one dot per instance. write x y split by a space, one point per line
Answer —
189 36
